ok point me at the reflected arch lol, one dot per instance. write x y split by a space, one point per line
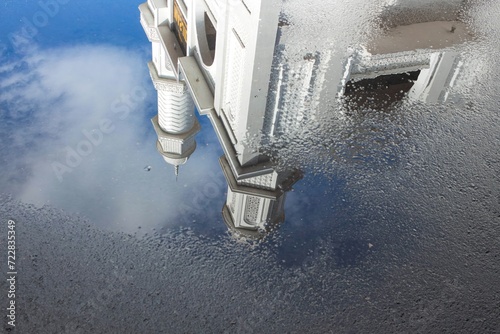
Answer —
206 34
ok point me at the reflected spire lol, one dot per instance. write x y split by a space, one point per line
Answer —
176 172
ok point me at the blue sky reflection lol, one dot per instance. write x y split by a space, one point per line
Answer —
76 135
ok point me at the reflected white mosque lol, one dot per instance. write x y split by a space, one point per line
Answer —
223 57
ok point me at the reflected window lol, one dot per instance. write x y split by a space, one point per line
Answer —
252 210
211 34
380 91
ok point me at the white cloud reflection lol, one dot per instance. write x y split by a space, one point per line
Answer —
50 98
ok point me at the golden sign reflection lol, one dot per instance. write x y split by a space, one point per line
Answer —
180 27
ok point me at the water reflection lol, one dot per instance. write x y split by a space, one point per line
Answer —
414 57
231 61
404 246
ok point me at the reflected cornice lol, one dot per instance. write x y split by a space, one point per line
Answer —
182 155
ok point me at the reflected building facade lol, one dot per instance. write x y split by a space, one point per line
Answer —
416 53
226 59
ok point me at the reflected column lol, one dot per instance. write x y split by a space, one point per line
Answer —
176 125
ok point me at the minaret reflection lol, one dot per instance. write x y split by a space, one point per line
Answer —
226 59
175 124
